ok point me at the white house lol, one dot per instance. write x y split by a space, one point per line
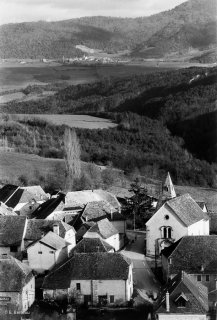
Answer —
37 228
178 217
17 286
43 254
105 230
92 278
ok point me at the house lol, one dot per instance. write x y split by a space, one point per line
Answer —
90 245
16 197
93 278
37 228
12 232
83 229
106 231
17 286
196 255
43 254
37 192
178 217
183 298
97 210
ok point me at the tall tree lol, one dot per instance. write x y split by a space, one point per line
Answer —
72 156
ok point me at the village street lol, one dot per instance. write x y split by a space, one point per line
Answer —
144 280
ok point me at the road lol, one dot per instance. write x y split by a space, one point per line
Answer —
144 280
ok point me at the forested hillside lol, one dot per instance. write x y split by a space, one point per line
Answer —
189 25
166 122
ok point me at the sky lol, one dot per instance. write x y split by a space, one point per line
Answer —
51 10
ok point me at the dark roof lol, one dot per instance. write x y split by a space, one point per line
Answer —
14 275
195 294
7 191
193 254
52 240
46 208
104 228
213 222
88 245
87 266
187 210
11 230
36 227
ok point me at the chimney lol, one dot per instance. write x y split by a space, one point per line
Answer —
111 214
56 229
167 302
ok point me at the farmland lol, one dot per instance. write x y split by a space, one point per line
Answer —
73 121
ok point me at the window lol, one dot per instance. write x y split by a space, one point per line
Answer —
78 286
39 252
207 277
13 249
112 299
166 217
166 232
181 302
199 278
51 252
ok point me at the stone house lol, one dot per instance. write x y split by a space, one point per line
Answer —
183 299
44 254
105 230
178 217
196 255
17 286
92 278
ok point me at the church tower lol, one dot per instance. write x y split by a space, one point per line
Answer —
168 191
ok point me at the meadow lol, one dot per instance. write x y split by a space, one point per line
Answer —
73 121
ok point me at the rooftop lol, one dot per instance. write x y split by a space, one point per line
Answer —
46 208
88 266
12 230
193 254
89 245
16 276
187 210
52 240
104 228
194 294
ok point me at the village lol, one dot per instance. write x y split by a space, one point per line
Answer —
75 250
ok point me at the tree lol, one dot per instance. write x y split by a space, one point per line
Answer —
140 203
72 156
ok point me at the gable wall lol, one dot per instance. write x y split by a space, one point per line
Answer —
199 228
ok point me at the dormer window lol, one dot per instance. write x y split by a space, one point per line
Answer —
181 300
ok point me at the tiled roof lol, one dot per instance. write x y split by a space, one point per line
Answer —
36 227
87 266
13 274
187 209
104 228
184 285
96 210
46 208
28 209
12 195
11 230
81 198
37 191
193 254
6 211
88 245
52 240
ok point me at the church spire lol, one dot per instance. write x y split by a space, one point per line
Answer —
168 188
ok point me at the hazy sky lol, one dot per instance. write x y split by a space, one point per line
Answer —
50 10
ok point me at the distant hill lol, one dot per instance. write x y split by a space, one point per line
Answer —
189 25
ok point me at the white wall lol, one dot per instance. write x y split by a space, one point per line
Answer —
181 317
28 294
70 237
114 240
199 228
42 262
156 222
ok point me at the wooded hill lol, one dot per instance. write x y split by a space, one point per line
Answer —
189 25
166 122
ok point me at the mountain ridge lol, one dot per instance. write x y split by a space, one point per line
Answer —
110 34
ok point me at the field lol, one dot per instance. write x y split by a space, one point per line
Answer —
73 121
16 76
14 165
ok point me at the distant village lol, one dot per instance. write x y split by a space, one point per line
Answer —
73 250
